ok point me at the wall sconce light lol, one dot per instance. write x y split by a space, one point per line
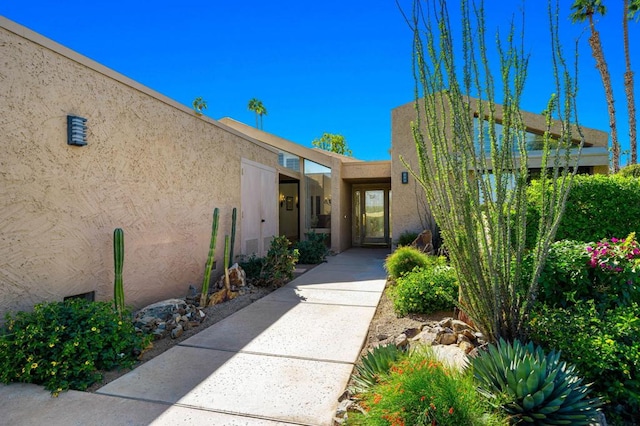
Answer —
76 130
282 200
404 177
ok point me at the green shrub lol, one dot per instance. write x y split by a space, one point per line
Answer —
607 272
406 238
252 266
405 259
565 277
434 288
313 250
604 346
279 264
64 345
420 390
372 366
531 387
598 207
632 170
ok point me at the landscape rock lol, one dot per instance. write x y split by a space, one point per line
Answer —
237 278
169 317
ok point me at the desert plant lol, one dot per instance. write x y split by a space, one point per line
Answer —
210 259
472 158
420 390
234 214
226 262
118 260
313 250
604 346
533 388
372 366
405 259
279 264
406 238
64 345
426 290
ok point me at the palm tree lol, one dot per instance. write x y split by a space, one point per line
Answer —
628 12
585 10
256 106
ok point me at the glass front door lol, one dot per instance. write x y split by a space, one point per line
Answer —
371 216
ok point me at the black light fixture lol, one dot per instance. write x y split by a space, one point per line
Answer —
76 130
404 177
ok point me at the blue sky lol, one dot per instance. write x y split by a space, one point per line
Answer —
335 66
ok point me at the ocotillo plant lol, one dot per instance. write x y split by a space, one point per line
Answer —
210 258
233 237
118 260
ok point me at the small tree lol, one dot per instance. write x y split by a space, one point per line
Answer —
332 142
256 106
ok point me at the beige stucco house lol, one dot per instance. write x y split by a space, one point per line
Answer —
154 168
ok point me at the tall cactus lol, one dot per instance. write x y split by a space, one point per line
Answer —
226 263
210 259
233 237
118 260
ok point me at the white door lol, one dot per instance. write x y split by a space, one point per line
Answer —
259 203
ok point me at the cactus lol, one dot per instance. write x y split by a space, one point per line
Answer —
233 237
226 263
210 259
118 260
533 388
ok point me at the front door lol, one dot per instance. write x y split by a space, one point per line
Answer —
371 215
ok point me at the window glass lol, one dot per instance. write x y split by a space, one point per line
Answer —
318 200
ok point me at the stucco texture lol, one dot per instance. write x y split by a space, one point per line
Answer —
151 167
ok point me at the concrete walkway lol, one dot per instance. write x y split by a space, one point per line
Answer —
283 360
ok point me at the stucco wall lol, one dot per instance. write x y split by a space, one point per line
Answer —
150 167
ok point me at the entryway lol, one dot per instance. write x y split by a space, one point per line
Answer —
371 210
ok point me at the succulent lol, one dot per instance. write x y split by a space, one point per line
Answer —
118 260
367 372
533 388
210 259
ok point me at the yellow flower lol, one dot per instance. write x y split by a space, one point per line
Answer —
51 345
75 343
34 365
54 363
93 329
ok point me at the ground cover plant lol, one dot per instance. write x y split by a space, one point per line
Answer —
420 390
64 345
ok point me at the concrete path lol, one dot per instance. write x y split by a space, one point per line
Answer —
283 360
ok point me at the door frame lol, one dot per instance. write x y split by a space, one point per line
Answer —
358 229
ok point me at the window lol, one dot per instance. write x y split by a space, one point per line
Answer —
318 199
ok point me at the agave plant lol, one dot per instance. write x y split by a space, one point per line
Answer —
367 372
533 388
